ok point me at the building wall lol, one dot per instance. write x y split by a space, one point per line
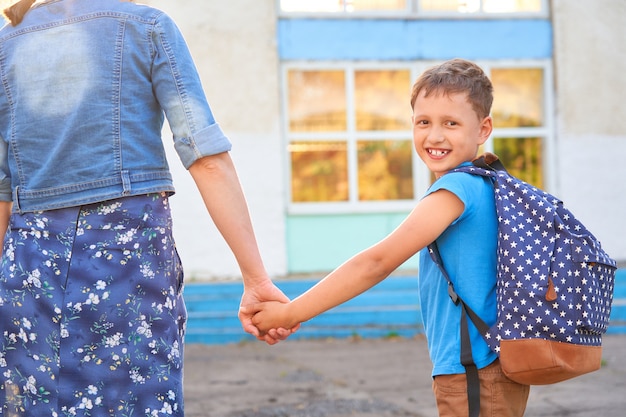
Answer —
399 39
323 240
234 46
590 63
238 49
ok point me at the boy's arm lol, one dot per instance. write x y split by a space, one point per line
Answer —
425 223
218 183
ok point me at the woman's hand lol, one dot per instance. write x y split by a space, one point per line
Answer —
255 296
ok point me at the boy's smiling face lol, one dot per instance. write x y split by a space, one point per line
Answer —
447 131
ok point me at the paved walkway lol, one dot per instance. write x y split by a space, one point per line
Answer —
364 378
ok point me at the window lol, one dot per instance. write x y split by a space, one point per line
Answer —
319 171
385 170
519 117
317 101
485 6
349 133
334 6
418 8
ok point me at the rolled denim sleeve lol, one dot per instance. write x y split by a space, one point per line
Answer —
209 141
180 93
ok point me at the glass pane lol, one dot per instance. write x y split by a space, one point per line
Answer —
319 171
461 6
385 170
317 101
488 6
522 157
380 100
326 6
511 6
518 97
311 5
360 5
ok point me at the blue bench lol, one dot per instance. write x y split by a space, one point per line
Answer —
618 310
389 309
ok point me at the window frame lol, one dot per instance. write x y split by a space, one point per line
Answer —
413 11
547 131
421 174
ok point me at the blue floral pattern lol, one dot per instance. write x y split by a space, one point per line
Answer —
92 317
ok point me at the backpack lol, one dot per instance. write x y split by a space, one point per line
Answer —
554 287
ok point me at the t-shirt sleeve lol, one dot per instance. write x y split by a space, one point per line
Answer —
462 185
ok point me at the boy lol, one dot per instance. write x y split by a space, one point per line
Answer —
451 103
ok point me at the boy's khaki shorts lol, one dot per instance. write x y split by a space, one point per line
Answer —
499 396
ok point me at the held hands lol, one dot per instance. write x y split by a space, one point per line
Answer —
252 298
272 315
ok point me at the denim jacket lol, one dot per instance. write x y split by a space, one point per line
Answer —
85 88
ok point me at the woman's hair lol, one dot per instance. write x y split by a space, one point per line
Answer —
15 13
457 76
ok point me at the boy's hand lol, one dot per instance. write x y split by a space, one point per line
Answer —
271 315
255 295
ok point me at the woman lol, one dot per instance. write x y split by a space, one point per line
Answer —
91 311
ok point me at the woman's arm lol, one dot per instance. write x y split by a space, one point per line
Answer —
218 183
5 213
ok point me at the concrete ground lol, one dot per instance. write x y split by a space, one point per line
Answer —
364 378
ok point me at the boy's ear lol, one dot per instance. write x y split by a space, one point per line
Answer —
486 127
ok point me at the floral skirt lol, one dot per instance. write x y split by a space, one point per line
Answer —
92 317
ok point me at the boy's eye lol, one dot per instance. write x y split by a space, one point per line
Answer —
421 122
451 123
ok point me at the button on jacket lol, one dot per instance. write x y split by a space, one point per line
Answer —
85 87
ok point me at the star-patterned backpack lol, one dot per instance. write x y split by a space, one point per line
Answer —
554 287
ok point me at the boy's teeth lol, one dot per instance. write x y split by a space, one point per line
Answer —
437 152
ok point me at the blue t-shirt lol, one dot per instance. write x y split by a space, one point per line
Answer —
468 248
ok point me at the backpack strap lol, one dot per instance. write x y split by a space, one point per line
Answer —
471 371
490 162
485 165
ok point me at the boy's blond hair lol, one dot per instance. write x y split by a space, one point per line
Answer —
457 76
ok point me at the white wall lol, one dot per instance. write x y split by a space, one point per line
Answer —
590 68
234 46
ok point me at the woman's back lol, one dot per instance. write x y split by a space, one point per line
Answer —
84 84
